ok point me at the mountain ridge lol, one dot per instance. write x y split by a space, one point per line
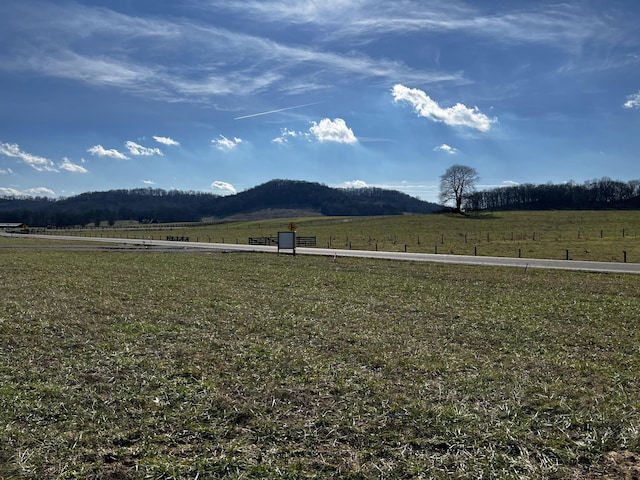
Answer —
156 205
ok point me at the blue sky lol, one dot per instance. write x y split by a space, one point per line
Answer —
222 95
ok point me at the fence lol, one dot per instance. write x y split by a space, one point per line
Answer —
300 241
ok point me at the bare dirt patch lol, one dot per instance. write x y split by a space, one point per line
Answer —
623 465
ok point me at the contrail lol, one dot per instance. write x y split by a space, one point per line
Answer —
275 111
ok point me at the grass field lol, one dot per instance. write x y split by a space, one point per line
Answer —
150 365
586 235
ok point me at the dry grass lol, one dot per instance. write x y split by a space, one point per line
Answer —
587 235
126 365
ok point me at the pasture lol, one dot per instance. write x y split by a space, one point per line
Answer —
117 364
585 235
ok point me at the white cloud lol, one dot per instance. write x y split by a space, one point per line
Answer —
40 191
50 37
446 148
225 144
458 115
333 131
10 192
633 101
561 25
30 192
510 183
224 187
71 167
305 11
139 150
356 184
148 182
100 151
49 44
286 135
326 131
166 141
7 171
41 164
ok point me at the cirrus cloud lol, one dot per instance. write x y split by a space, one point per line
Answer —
458 115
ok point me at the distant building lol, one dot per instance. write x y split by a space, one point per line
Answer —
12 227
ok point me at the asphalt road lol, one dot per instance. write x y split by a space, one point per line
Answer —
524 263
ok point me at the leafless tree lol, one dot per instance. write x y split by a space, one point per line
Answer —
456 184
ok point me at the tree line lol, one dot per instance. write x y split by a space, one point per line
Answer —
149 205
597 194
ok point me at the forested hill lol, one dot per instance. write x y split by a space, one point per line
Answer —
146 205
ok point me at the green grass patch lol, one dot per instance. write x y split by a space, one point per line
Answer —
586 235
127 365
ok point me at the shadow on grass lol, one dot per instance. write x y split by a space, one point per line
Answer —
474 215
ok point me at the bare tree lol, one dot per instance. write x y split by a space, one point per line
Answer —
457 183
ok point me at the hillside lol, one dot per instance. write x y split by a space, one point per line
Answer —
147 205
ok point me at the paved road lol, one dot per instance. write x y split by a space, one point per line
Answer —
604 267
